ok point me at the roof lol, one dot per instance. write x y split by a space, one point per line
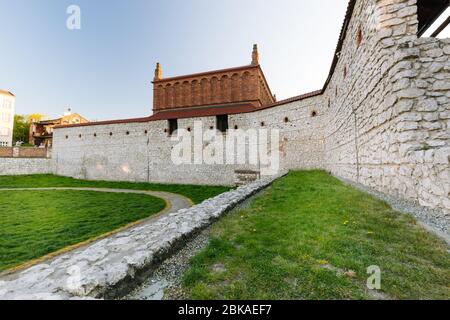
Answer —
194 112
102 123
52 121
342 36
208 111
428 11
4 92
292 99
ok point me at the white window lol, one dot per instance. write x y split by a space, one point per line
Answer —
4 131
6 117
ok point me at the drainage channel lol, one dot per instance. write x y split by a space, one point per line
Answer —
165 283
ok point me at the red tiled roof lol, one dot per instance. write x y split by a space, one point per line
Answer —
106 122
292 99
203 112
207 111
6 92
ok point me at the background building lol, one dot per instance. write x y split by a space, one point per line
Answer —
41 132
7 104
381 119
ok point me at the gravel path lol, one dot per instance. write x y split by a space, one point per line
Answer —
165 282
174 201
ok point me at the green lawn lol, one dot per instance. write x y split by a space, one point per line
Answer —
194 192
309 236
36 223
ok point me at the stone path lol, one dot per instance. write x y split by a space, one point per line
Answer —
175 201
108 268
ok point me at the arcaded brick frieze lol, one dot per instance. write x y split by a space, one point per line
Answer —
245 84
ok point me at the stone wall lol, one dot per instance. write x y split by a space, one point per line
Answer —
142 151
34 152
382 120
422 124
25 166
6 152
24 152
389 104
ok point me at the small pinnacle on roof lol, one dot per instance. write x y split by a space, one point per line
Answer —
255 55
158 72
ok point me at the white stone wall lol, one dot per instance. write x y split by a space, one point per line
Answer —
91 152
25 166
389 105
383 120
421 138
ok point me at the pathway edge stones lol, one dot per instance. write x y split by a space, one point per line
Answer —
109 267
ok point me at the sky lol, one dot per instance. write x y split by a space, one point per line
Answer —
104 70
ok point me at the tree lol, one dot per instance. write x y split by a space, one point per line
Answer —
34 117
22 124
21 128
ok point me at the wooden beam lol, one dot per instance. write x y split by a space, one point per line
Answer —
441 27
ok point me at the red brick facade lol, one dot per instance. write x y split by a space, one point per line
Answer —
229 86
19 152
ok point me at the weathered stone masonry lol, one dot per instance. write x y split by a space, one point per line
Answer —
142 151
382 119
389 97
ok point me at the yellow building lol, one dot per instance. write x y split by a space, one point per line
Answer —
41 132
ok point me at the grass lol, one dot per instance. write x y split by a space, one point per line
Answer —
194 192
290 242
36 223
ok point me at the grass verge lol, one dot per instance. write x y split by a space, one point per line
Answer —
36 223
309 236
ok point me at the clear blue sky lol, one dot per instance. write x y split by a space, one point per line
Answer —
104 70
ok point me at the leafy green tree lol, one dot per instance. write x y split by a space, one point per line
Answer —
21 128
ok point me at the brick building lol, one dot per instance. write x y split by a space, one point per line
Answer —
213 93
41 132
